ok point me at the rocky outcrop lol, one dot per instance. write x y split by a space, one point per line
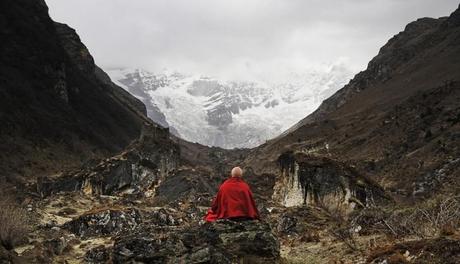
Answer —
221 242
312 180
139 169
191 185
104 222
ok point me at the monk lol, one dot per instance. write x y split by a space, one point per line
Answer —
234 200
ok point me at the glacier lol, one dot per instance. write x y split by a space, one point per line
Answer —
226 113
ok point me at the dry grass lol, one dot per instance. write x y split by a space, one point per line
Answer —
433 218
341 229
14 226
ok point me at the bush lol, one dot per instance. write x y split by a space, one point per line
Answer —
14 227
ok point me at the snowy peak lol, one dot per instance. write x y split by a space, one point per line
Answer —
230 114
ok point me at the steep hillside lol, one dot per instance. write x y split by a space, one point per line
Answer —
397 121
57 108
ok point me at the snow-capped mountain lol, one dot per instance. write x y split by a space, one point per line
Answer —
230 114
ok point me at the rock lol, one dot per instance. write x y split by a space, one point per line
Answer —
250 238
98 254
317 180
104 222
147 249
9 257
220 242
56 245
286 224
160 217
50 224
138 169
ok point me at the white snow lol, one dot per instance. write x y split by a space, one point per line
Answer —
259 111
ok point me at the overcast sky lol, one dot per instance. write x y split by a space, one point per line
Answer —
239 38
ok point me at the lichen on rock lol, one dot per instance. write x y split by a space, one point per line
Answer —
104 222
220 242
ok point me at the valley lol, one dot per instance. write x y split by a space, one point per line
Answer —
92 174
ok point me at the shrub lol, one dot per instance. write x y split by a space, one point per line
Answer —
14 227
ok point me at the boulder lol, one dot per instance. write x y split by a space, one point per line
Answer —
148 248
104 222
56 245
243 239
160 217
219 242
98 254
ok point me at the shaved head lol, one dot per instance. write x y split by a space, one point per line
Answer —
237 172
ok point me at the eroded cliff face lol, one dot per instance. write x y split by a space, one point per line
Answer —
138 169
320 181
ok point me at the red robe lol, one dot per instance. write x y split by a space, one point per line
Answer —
234 200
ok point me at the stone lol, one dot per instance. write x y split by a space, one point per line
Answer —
160 217
104 222
287 224
147 248
219 242
97 255
56 245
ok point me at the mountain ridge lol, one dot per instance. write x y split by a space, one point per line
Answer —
417 64
229 113
55 104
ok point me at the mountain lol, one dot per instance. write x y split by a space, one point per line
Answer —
57 108
397 121
229 114
370 177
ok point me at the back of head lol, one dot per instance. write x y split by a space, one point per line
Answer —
237 172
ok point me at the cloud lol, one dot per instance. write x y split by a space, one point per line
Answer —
239 38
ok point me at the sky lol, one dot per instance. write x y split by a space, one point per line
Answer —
240 39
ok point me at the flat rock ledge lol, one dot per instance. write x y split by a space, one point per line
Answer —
220 242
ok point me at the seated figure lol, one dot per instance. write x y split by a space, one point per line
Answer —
234 200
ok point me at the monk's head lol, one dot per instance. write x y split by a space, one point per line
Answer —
237 172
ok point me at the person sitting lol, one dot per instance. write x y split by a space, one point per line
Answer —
234 200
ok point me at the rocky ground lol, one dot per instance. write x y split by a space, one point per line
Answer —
146 204
77 228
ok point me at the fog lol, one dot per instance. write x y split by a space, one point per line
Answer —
239 39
